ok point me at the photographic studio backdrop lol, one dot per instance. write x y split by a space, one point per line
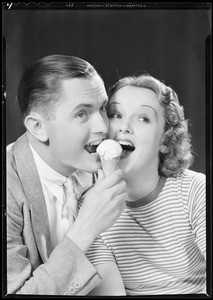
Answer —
168 43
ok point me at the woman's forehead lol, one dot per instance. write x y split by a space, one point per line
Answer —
135 96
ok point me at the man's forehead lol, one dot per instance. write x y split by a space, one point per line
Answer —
83 89
80 85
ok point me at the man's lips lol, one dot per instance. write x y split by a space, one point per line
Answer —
92 146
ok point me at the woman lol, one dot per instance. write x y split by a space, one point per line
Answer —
158 242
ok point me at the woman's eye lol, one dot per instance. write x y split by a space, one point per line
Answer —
144 119
115 116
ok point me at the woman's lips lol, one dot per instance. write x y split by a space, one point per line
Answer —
127 149
125 154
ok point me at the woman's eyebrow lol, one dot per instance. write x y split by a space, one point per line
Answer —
140 106
151 108
114 103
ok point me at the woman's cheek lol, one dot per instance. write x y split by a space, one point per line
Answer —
112 129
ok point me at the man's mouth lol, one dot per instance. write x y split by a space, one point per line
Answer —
127 147
92 146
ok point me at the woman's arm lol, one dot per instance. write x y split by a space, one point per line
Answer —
111 283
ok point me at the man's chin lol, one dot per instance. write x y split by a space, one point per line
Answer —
96 167
92 167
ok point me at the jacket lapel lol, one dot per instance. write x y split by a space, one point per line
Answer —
33 190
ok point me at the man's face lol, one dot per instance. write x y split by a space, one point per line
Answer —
80 123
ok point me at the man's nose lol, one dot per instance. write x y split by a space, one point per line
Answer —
101 123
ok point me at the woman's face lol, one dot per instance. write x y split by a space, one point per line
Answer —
137 123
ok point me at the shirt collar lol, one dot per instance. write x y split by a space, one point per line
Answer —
49 177
150 197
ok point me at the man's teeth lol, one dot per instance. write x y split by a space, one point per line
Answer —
92 146
94 143
95 154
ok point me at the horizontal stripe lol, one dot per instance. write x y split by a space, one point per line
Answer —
159 246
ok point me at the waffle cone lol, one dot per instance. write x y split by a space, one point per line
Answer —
110 165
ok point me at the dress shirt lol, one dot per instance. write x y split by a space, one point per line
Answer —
54 194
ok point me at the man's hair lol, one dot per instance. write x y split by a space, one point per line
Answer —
177 155
39 88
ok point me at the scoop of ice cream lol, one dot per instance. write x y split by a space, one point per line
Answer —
109 149
109 152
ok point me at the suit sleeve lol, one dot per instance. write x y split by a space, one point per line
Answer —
67 270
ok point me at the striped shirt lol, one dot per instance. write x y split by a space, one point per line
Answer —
159 242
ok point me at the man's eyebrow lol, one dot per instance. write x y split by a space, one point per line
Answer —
87 105
105 102
82 105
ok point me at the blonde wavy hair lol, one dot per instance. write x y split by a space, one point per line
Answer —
175 151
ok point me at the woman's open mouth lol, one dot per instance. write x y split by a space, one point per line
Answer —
127 147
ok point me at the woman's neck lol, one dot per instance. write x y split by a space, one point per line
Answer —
141 185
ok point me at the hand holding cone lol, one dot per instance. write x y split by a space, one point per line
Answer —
109 152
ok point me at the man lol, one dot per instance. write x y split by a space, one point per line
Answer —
63 100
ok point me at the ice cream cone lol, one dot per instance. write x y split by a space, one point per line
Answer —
110 165
109 152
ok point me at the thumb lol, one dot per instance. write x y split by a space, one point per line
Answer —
100 175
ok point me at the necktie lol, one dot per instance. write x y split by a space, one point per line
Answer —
70 205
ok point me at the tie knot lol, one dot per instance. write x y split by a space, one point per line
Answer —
69 185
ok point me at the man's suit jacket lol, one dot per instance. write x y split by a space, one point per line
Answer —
32 267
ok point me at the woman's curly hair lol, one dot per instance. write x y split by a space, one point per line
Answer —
175 151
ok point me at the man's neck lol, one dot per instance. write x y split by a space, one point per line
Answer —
43 150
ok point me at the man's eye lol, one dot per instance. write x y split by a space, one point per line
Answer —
81 115
103 108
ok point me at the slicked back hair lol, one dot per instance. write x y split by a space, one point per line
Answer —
40 85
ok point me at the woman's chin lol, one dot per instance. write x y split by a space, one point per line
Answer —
124 166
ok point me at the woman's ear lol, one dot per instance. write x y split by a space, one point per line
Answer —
163 148
36 126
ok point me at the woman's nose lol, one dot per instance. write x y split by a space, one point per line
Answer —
125 127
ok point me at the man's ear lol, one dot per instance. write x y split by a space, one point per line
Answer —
36 126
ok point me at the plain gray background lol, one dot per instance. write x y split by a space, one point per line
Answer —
169 43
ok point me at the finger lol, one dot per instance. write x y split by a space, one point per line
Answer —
117 189
120 201
113 179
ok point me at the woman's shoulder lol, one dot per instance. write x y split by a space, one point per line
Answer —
194 176
188 178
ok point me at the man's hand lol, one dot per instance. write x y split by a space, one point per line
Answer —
101 207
